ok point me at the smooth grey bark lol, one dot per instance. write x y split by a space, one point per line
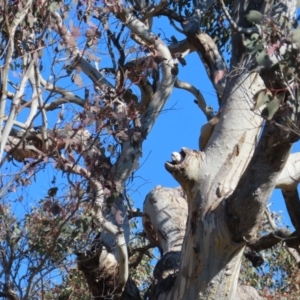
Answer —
228 184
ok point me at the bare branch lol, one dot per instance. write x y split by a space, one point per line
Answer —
79 60
130 156
17 123
233 24
15 108
213 61
69 97
292 203
153 10
11 29
290 176
293 252
42 109
270 240
208 112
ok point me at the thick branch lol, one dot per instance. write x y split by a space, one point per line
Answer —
116 232
247 203
209 53
214 62
34 103
11 29
164 220
292 203
270 240
290 176
130 155
15 108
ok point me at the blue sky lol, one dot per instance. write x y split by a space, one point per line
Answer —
178 125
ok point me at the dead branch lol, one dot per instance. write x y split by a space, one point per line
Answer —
208 112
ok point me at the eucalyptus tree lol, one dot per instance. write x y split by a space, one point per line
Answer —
65 104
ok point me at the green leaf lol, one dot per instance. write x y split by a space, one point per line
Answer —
256 47
54 6
263 59
296 35
271 108
255 36
254 16
261 98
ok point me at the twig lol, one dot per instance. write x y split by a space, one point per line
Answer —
175 26
293 252
154 10
233 24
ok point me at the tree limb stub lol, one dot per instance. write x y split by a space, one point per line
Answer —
185 168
